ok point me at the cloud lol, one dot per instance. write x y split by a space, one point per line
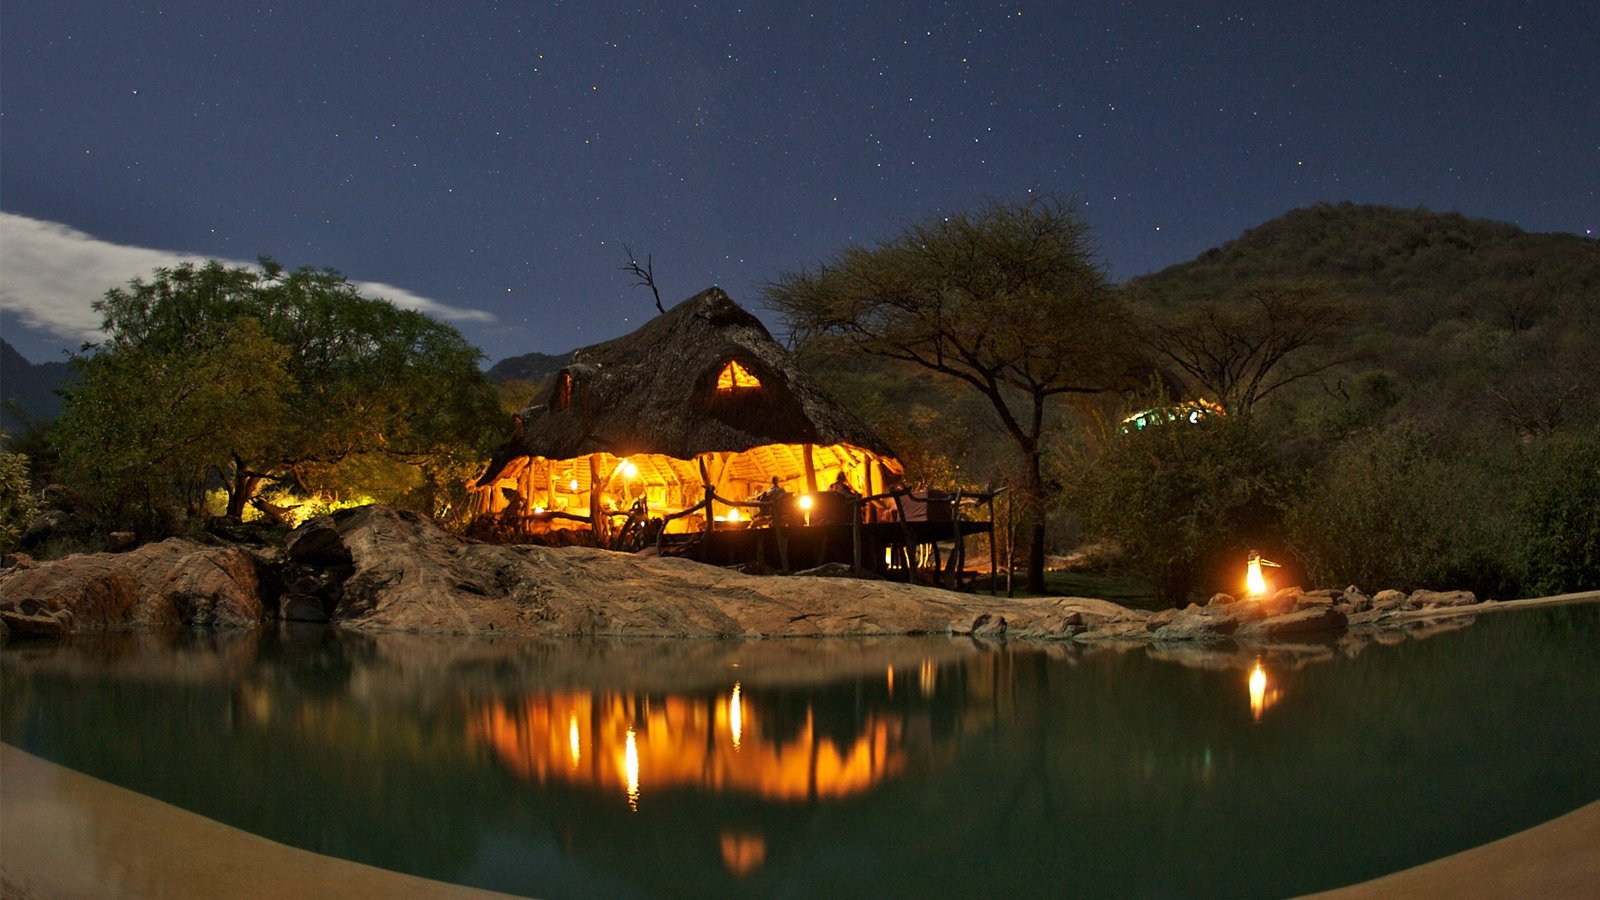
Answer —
51 273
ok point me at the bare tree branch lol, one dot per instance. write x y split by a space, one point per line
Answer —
645 273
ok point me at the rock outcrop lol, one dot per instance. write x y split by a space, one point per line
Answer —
383 569
173 582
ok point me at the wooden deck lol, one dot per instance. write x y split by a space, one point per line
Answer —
908 551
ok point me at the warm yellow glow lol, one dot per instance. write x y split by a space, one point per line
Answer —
686 741
572 738
628 469
1254 581
573 485
743 853
927 678
538 510
630 765
806 501
1262 694
736 377
891 681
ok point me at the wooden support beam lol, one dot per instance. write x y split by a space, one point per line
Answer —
811 469
601 523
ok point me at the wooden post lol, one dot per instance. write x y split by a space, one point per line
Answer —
705 483
909 540
778 535
958 556
994 553
598 521
1011 548
811 470
855 535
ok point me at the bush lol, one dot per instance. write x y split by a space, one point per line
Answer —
1558 515
1391 509
1185 502
17 501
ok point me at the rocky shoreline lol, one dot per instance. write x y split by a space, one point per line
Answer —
384 569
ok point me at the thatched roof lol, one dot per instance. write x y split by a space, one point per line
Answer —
654 391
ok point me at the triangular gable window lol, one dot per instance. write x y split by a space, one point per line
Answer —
736 378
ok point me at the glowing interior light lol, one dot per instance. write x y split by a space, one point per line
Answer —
572 739
733 515
630 764
573 485
806 501
538 510
628 469
736 716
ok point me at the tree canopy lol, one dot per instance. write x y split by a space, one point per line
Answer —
1009 299
243 376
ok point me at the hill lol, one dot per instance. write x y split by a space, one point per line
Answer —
29 391
533 368
1448 314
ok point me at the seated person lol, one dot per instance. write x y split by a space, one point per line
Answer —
842 486
771 501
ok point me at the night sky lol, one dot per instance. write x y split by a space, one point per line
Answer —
488 161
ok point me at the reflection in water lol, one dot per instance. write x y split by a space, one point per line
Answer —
719 744
743 852
583 769
630 761
1260 697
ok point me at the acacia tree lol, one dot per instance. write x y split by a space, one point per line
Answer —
1009 299
358 376
1240 350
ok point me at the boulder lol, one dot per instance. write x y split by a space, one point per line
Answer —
1309 599
1194 624
317 542
1314 620
173 582
1445 599
1280 602
1355 600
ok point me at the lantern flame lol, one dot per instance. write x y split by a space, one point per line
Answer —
1255 582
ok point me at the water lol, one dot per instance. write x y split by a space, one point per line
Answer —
839 768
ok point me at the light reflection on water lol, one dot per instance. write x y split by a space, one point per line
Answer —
846 768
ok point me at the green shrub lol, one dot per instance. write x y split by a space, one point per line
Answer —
1559 514
1185 502
1393 509
18 504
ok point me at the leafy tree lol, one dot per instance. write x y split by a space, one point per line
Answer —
1009 300
144 424
1184 501
17 502
358 376
1241 350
